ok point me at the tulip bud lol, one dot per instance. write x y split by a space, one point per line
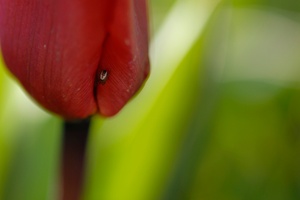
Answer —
76 57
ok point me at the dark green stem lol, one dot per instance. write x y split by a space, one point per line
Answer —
73 158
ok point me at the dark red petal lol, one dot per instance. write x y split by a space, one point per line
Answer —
125 56
54 47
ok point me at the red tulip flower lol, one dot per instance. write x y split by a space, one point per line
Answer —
76 57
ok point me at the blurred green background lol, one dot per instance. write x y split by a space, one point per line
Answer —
219 117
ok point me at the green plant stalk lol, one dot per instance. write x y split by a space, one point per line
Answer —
73 158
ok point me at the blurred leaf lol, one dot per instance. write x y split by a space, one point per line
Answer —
33 174
5 149
133 155
158 11
250 153
250 156
278 4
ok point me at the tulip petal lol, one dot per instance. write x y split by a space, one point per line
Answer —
54 48
125 56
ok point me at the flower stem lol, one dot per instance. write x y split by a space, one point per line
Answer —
73 158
